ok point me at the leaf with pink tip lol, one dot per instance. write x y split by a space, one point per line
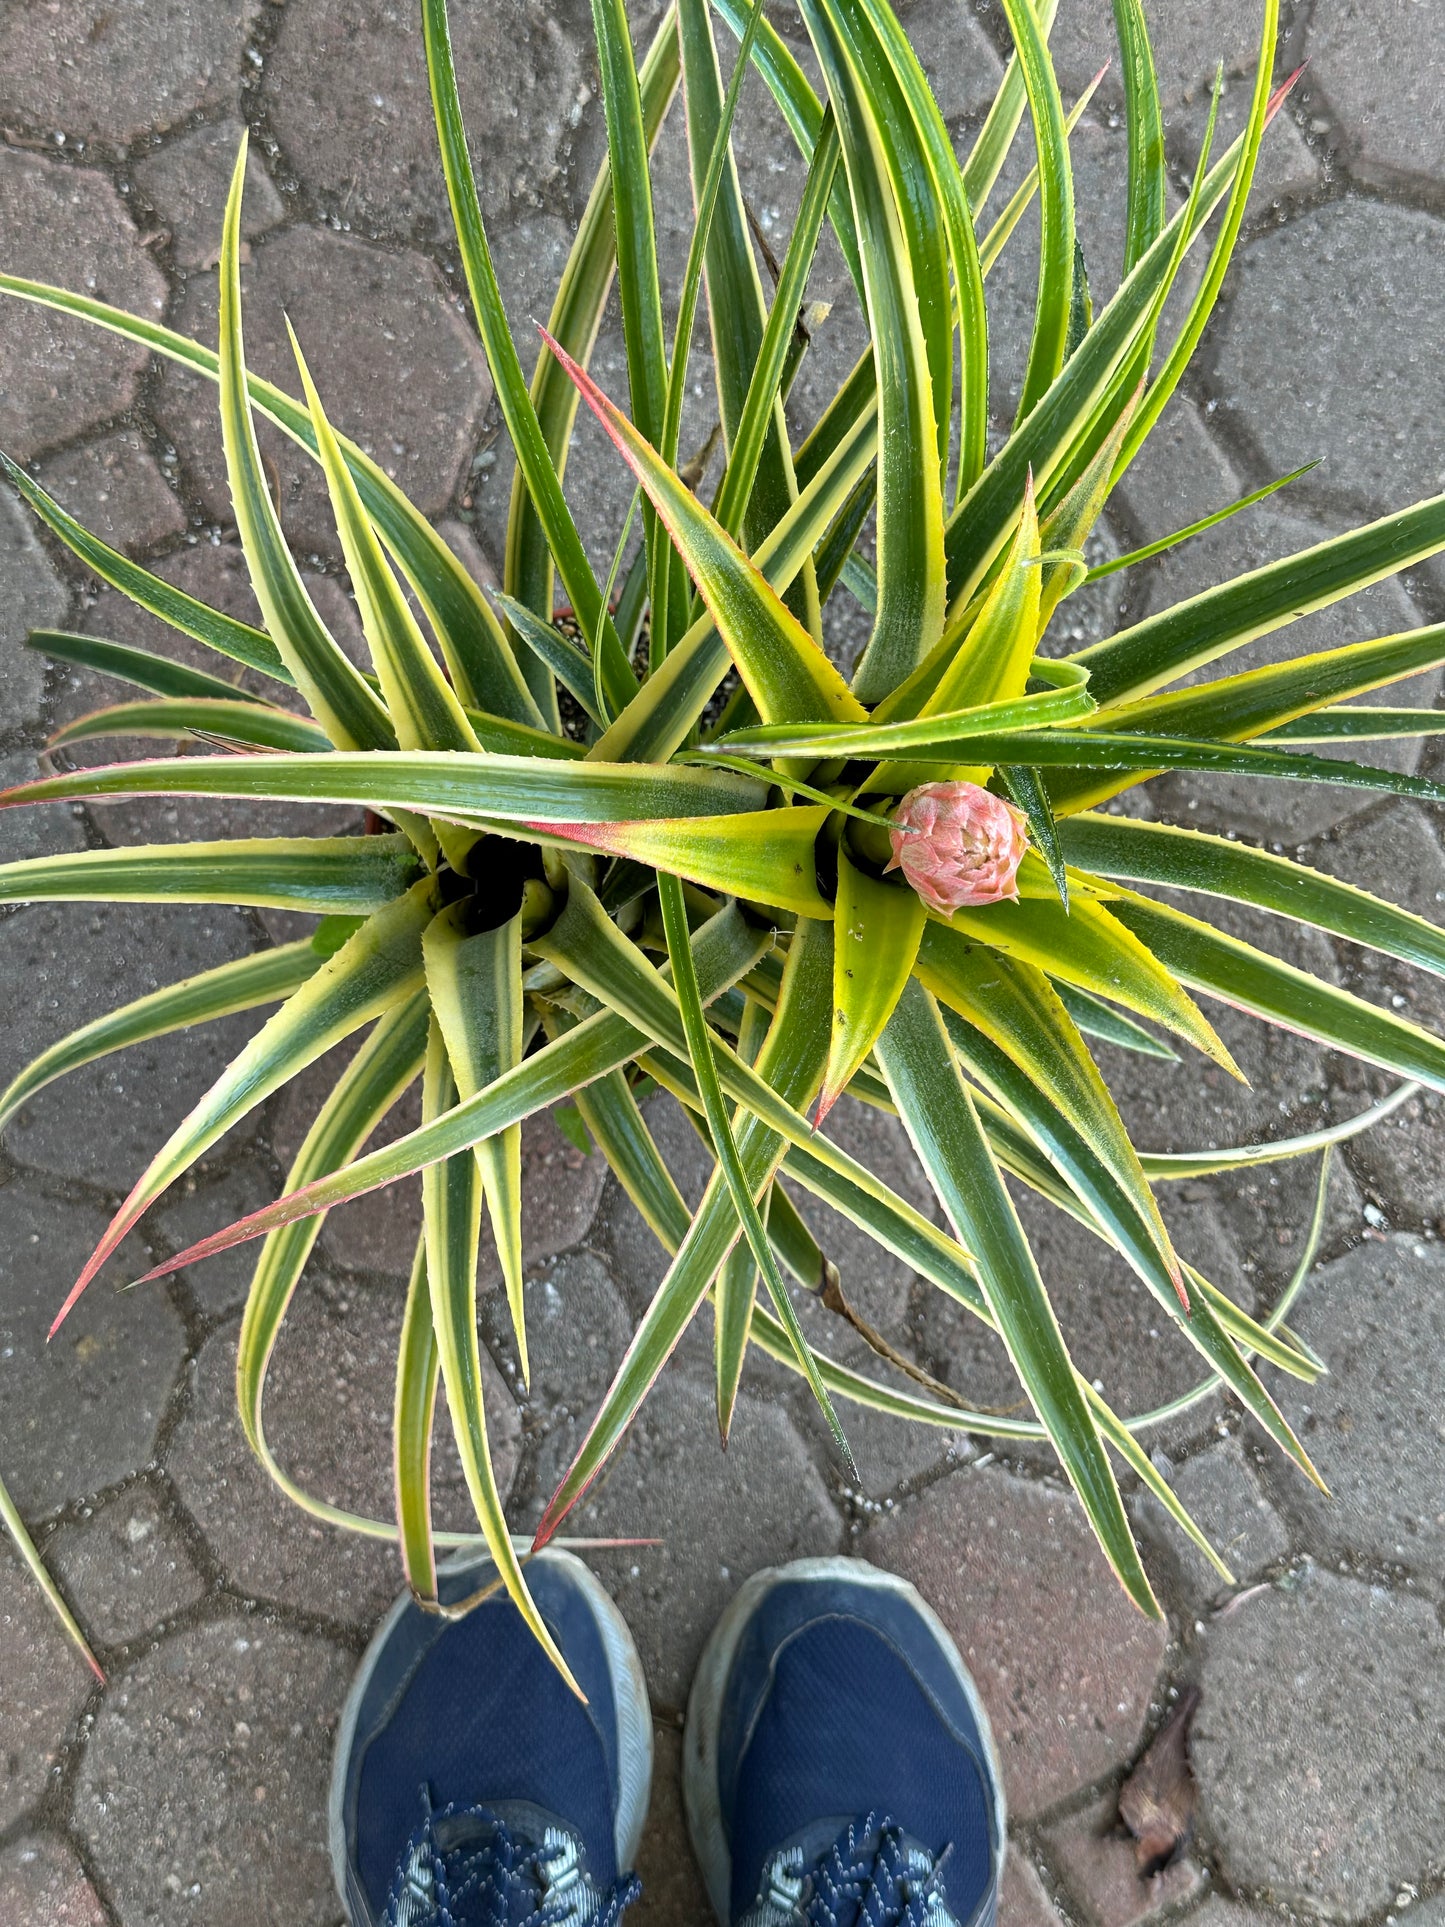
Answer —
786 673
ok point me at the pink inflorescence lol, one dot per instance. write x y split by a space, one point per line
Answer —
958 845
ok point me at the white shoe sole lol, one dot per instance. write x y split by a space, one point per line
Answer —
704 1709
629 1696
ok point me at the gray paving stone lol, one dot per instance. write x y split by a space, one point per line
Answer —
891 1452
45 829
962 67
1096 1858
1283 813
202 1203
108 73
114 488
185 185
560 1190
1187 43
1377 66
1219 1490
1180 475
634 1253
125 1569
1022 1899
397 366
32 597
1219 1911
1377 1317
1100 164
1321 353
1340 1833
46 1685
42 1881
1118 1332
1394 851
376 1232
1290 166
203 1793
59 376
1398 1160
79 961
672 1891
577 1331
328 1420
1065 1664
346 88
80 1412
719 1517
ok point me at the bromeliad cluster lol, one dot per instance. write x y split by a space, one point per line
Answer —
899 885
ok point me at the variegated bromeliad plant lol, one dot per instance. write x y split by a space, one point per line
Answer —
901 886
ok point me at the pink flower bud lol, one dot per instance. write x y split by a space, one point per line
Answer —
958 845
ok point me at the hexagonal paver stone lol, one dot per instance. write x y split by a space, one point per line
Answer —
560 1189
31 597
719 1517
46 1685
1218 1911
672 1891
1065 1664
203 1792
1179 476
328 1420
41 1880
108 72
1022 1901
1099 154
125 1569
397 366
202 1203
1316 1745
78 961
59 376
114 488
346 89
79 1412
185 186
962 67
1187 44
377 1231
577 1332
1219 1490
1395 852
1321 352
1373 1424
1378 66
1097 1860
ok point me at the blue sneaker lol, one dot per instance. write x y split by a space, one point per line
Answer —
470 1787
838 1766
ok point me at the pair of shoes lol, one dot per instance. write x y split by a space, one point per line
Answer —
838 1765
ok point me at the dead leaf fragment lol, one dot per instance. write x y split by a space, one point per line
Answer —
1157 1802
